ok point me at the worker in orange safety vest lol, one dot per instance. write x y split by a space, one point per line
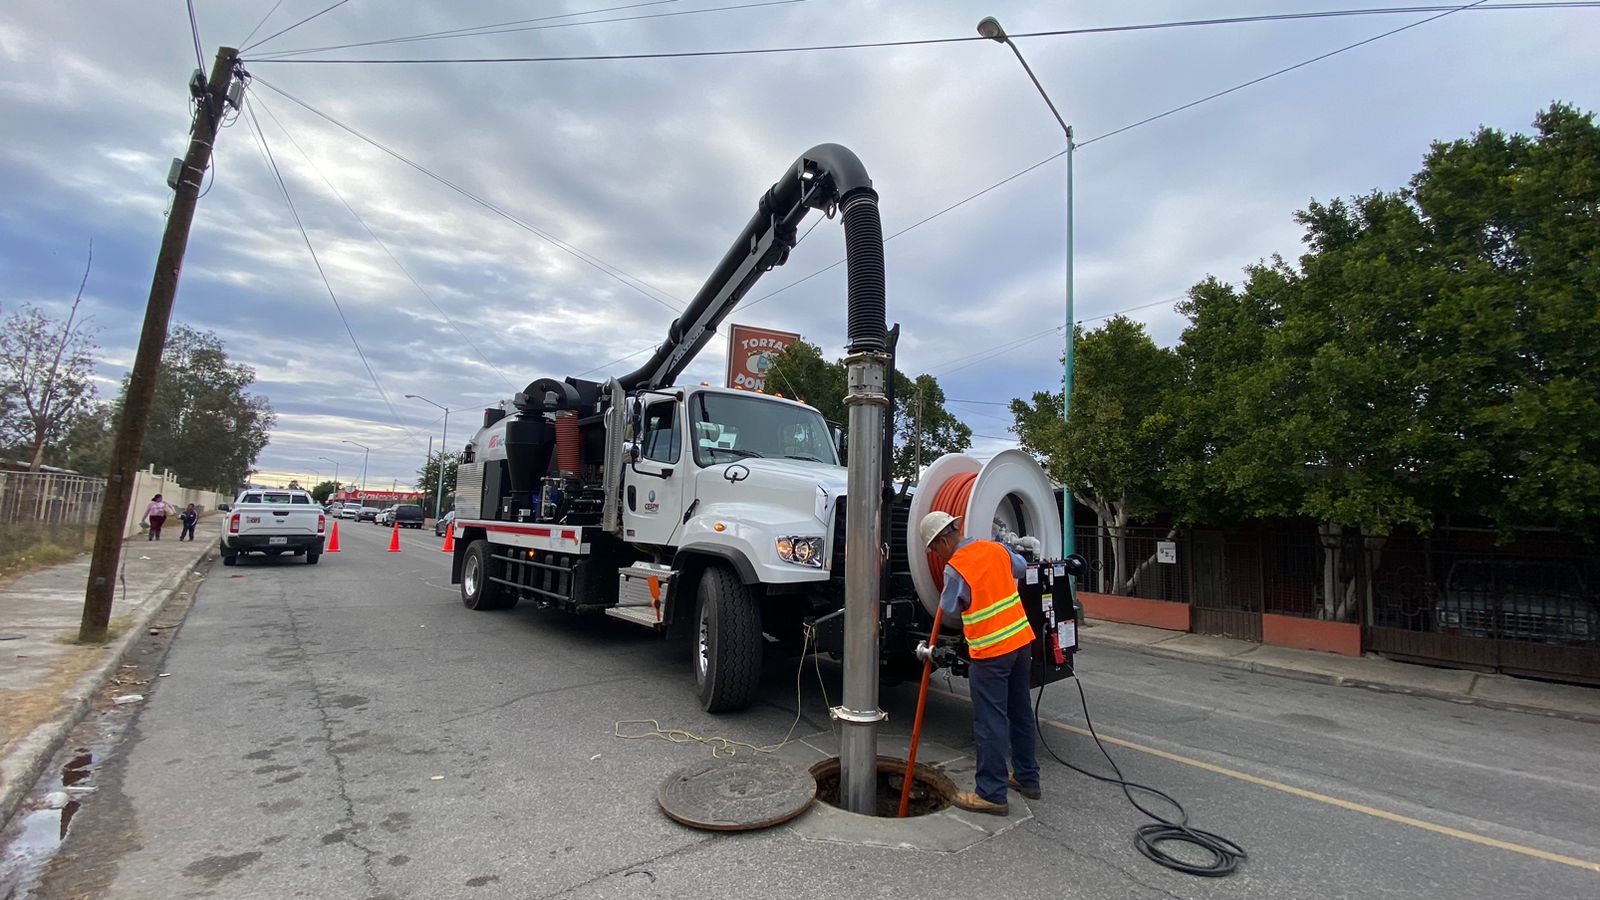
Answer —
980 585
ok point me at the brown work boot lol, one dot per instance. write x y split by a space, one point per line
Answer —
969 800
1030 793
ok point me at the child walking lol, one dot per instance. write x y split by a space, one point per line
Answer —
189 516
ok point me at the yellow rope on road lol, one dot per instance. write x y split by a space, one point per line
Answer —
722 747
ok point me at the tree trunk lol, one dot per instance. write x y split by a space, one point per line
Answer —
1147 562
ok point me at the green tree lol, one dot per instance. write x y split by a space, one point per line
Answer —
1434 351
324 490
204 425
1111 451
803 374
88 444
45 370
428 481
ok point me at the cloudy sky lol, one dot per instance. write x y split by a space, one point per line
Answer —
620 183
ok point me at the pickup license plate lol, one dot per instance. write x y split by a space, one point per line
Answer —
277 540
253 520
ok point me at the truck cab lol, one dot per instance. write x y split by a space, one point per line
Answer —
748 478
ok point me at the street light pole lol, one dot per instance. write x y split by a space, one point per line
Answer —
335 471
990 28
365 452
444 443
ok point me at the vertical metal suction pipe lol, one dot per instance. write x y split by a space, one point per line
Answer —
866 373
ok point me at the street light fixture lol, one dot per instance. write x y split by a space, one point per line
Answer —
438 499
335 471
365 452
990 28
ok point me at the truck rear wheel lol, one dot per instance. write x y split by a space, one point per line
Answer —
312 556
478 591
727 642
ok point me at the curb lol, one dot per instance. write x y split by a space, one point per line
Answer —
26 762
1386 687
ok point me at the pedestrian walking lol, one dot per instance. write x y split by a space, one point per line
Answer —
980 584
156 515
189 517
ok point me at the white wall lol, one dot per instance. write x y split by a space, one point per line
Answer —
148 483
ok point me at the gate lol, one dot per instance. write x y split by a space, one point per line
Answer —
1458 598
1226 589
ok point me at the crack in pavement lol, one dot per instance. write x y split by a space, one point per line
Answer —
633 865
539 693
1032 828
341 781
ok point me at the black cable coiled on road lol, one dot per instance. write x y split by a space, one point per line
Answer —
1225 854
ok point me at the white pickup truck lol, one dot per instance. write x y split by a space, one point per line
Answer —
274 522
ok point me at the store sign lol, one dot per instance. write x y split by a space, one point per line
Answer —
751 352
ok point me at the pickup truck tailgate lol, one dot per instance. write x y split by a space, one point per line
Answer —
276 520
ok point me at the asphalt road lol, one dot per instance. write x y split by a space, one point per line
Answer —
349 730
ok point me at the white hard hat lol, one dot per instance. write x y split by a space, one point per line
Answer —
933 524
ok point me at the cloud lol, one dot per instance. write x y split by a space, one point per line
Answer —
651 168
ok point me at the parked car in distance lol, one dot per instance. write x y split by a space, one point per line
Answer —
406 515
385 516
350 511
1545 602
367 514
442 525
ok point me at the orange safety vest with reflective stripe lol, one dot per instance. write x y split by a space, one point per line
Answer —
996 623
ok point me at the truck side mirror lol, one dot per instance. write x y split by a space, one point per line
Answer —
224 507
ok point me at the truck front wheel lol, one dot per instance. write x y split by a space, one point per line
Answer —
727 642
478 591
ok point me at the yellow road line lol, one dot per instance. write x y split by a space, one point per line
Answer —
1362 808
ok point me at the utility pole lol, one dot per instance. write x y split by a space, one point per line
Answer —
211 99
918 478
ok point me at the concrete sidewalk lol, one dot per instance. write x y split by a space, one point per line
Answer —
46 680
1373 672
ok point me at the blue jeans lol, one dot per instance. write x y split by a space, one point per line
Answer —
1002 718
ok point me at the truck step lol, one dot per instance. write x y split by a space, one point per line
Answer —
638 615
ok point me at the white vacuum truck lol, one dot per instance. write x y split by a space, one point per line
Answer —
725 515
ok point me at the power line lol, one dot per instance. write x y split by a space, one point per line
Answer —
488 30
261 23
370 233
294 26
1253 81
284 189
465 31
619 275
194 29
921 42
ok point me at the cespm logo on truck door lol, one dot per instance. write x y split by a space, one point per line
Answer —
650 504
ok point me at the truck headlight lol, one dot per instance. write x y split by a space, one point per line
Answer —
802 551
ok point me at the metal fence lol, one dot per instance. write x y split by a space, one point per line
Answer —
46 507
1455 596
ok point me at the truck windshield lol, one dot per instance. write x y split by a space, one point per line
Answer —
730 426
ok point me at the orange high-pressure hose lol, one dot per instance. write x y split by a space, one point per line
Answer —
952 498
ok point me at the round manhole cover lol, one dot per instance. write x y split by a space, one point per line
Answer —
736 794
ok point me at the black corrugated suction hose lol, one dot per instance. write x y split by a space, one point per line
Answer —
863 248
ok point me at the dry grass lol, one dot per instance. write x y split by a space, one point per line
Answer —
39 556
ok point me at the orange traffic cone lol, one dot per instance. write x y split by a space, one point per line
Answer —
449 540
394 540
333 539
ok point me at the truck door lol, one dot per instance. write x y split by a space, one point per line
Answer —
652 493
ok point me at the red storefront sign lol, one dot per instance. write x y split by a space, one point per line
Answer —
751 352
376 497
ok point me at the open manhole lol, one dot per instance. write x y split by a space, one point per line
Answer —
931 791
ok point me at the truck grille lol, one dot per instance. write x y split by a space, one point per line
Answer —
469 491
899 514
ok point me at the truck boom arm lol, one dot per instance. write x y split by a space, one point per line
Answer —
826 177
